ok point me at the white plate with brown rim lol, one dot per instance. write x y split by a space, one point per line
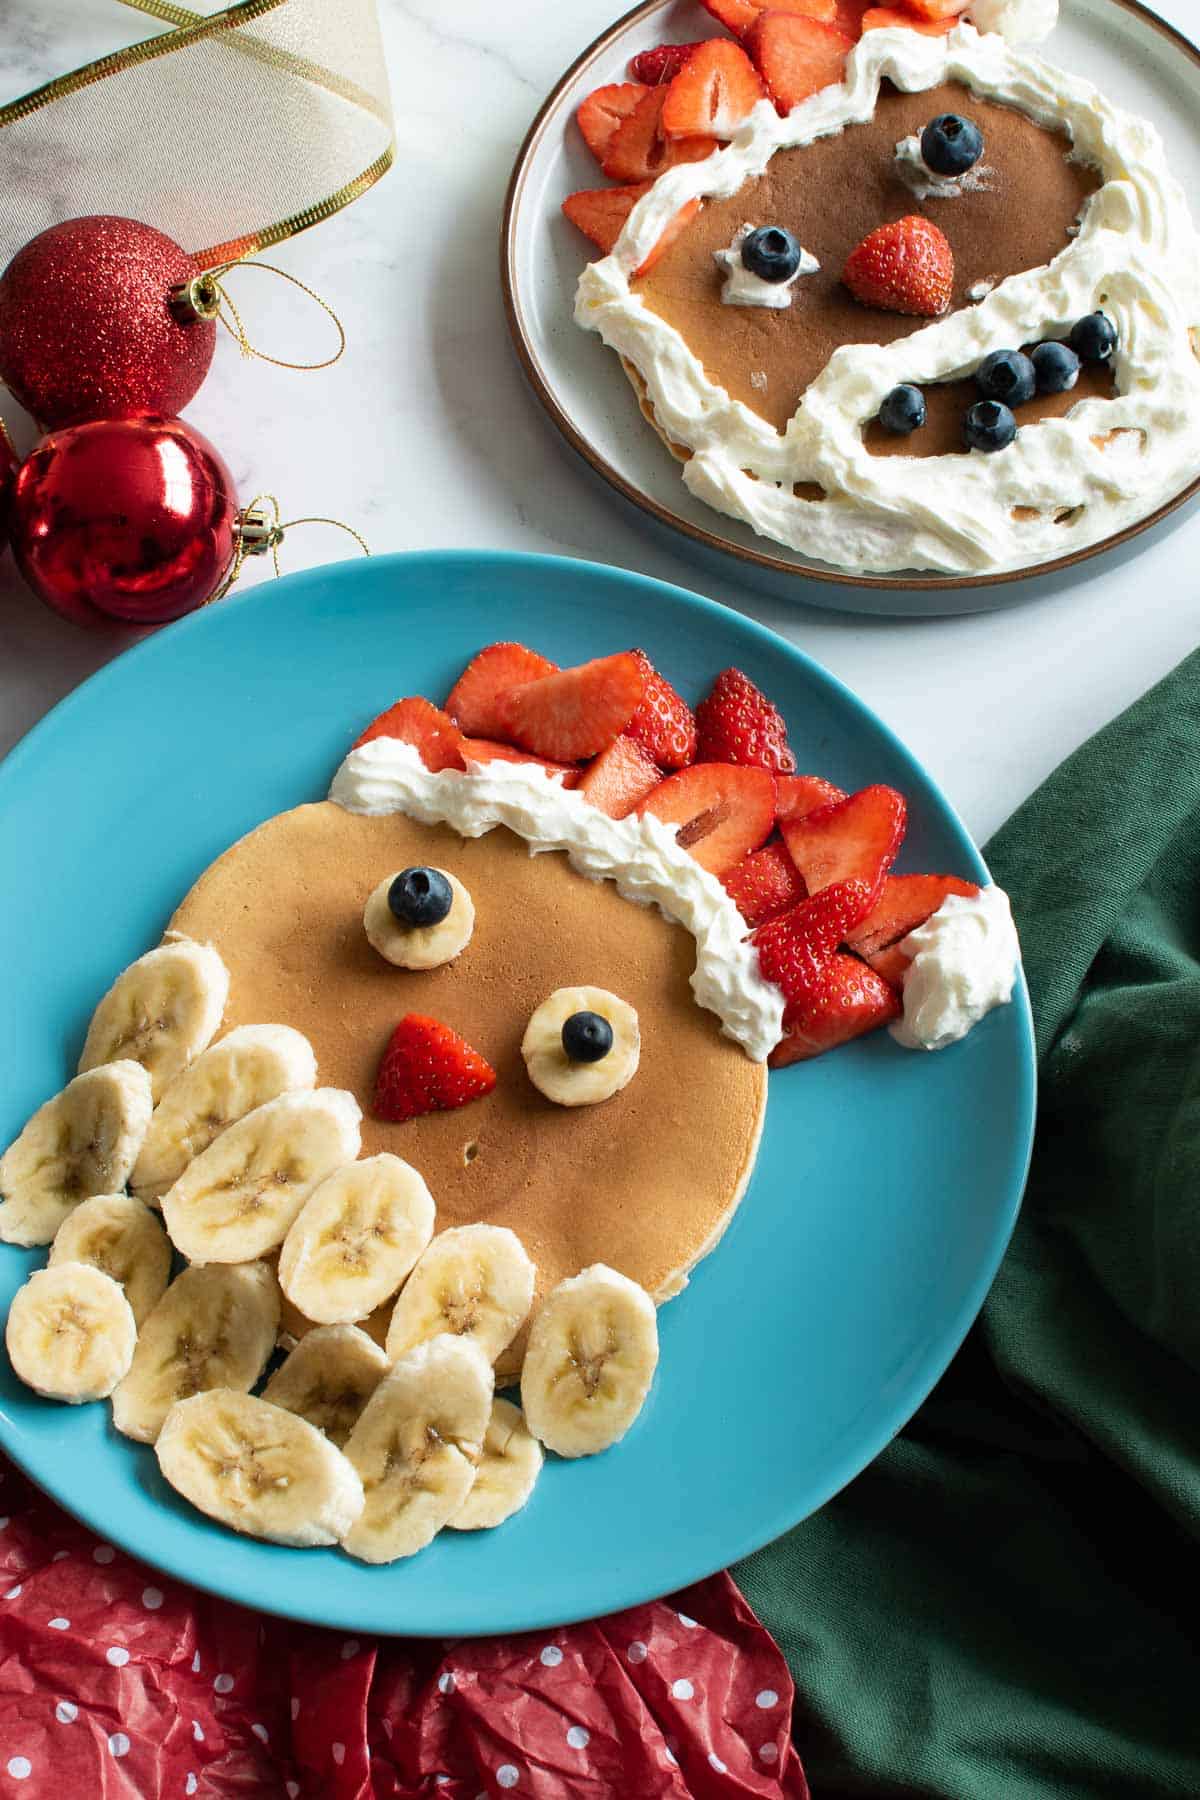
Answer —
1132 55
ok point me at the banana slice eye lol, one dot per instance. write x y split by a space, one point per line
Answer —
419 918
582 1045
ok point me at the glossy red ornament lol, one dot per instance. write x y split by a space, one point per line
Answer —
8 469
87 329
130 518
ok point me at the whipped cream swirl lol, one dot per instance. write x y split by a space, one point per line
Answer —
639 854
964 962
1063 483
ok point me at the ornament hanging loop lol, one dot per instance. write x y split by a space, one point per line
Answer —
258 530
207 297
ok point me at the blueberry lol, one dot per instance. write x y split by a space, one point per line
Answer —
1007 375
771 253
1095 338
903 410
950 144
587 1037
1056 367
989 425
420 897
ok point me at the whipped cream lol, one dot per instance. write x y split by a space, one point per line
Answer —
1068 481
744 288
1020 21
964 962
639 854
927 184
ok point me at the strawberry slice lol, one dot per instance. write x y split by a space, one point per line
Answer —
891 963
663 724
793 949
575 712
638 151
426 1068
414 721
799 795
473 700
935 9
736 723
619 777
883 18
713 92
601 112
600 213
850 17
905 901
856 838
662 64
483 750
906 266
797 57
669 233
739 15
722 812
848 999
765 884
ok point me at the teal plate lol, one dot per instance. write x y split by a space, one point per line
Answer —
886 1186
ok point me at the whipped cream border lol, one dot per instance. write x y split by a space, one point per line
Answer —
1136 256
639 854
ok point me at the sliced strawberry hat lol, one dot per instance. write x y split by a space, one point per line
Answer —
575 713
891 18
799 795
656 67
619 778
638 149
765 884
473 701
603 110
600 213
796 56
414 721
848 999
427 1067
663 724
739 16
904 903
721 812
483 750
713 92
854 839
736 723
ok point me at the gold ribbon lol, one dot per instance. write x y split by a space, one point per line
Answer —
230 131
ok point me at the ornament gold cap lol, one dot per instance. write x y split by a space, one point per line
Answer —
257 531
199 298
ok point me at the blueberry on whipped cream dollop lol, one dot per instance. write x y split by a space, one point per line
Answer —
762 265
945 161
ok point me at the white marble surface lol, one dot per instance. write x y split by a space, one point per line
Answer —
425 434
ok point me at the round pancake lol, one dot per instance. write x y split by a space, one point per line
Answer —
646 1181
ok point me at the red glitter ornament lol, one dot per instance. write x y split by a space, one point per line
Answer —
131 518
87 329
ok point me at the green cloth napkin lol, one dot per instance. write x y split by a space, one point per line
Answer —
1006 1605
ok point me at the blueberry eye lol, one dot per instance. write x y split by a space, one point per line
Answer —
950 144
771 253
587 1037
420 896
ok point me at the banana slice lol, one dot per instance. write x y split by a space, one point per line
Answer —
239 1197
213 1328
576 1082
258 1469
118 1235
419 946
70 1333
508 1469
162 1012
357 1238
473 1281
248 1067
416 1446
83 1142
328 1379
593 1350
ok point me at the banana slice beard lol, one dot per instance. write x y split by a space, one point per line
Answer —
118 1235
213 1328
162 1012
508 1470
70 1333
238 1198
251 1065
83 1142
358 1236
593 1350
328 1379
416 1447
473 1281
419 946
552 1071
258 1469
